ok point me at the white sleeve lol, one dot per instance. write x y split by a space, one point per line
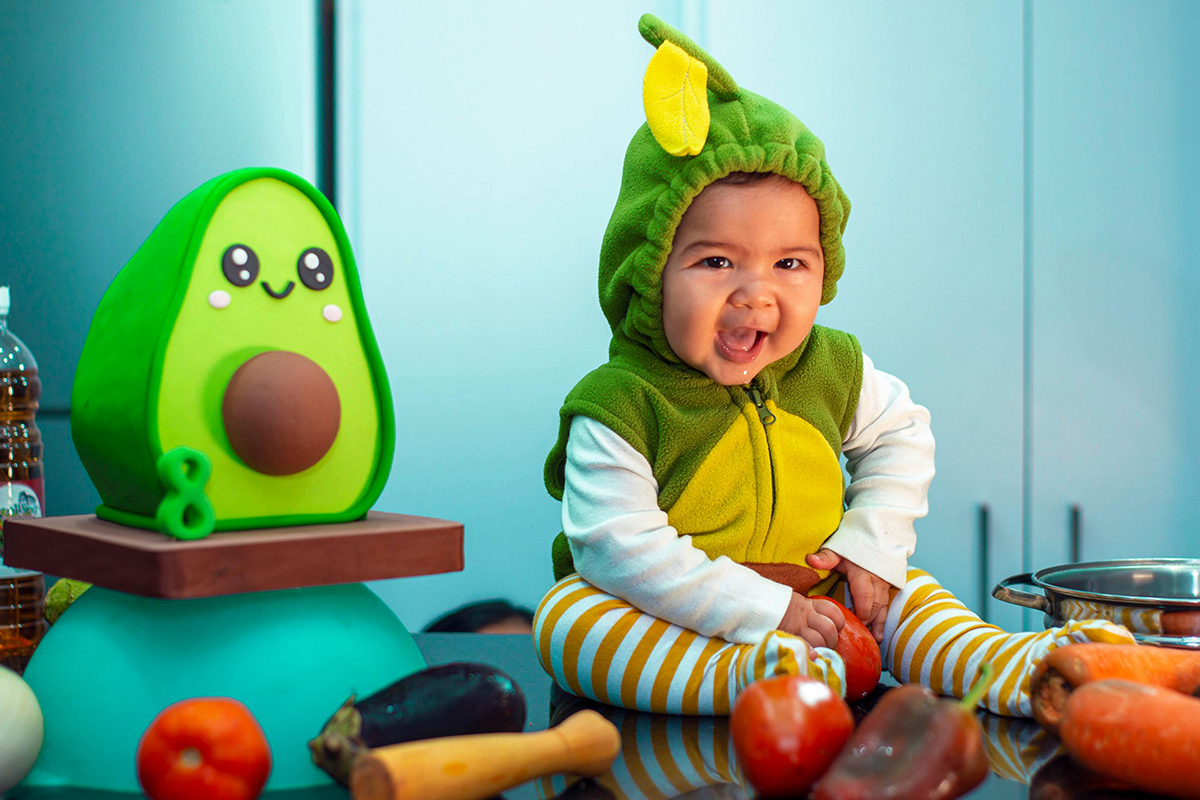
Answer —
889 451
622 543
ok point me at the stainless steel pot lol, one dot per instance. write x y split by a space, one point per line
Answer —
1158 599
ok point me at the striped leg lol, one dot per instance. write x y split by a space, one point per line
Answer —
598 646
663 756
1017 748
932 638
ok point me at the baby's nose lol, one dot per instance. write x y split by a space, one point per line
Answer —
753 294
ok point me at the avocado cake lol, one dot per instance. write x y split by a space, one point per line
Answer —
230 378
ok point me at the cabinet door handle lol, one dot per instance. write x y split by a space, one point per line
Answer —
1076 532
985 536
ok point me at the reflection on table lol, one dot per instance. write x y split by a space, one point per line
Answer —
665 756
692 757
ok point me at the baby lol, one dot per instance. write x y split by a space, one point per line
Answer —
703 499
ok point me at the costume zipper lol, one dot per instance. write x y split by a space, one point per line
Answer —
767 419
764 413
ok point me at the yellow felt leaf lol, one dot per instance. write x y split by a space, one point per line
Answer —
675 94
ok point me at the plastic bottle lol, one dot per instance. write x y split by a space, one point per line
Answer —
22 493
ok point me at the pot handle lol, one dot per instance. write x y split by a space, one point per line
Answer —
1003 592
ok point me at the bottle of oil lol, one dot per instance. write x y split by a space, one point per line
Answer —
22 493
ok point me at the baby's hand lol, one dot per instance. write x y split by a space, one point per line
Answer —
817 622
870 593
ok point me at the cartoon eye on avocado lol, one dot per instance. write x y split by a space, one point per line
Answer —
230 378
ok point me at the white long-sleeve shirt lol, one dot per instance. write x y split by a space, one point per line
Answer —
622 543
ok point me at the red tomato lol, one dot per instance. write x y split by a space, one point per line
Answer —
786 732
860 652
206 748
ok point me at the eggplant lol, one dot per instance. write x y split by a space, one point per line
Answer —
446 700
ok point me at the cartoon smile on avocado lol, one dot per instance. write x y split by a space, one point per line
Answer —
230 378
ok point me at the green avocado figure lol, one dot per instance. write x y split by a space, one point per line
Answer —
230 378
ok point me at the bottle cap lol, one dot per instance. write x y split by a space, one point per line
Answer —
3 301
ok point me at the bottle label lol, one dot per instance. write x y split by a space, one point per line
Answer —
22 499
19 499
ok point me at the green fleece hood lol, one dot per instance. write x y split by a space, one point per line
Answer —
729 130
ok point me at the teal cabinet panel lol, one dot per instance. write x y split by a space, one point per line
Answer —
920 109
111 112
1115 280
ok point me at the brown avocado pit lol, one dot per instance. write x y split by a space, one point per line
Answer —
281 413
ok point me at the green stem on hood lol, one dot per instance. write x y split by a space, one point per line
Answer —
655 31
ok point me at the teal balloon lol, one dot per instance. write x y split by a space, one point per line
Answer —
113 661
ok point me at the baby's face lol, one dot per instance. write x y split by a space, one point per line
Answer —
743 282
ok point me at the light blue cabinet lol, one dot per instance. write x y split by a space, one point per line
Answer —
1115 279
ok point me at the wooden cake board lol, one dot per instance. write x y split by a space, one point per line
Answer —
151 564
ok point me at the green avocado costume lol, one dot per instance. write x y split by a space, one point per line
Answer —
230 378
750 472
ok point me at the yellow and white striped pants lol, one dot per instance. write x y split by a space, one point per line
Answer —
598 646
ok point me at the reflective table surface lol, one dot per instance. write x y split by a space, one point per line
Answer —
667 757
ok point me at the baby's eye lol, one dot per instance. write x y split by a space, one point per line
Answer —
790 263
716 262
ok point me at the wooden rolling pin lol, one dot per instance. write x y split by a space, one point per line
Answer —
481 765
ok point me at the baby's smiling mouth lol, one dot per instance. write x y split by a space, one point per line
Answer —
741 345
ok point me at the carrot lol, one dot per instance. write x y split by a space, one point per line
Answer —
1068 668
1180 623
1146 736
